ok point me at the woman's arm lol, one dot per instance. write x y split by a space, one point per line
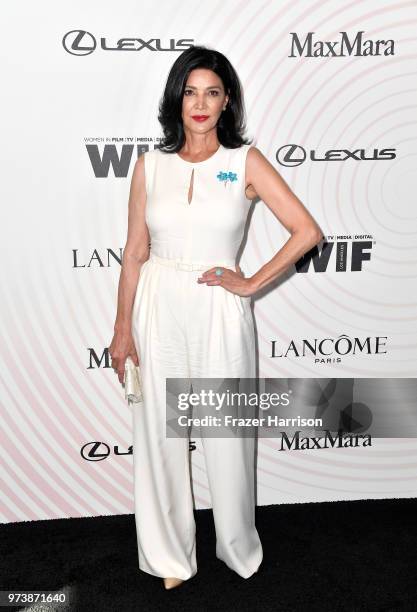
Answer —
268 184
135 253
136 250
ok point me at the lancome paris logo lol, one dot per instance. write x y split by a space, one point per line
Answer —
347 45
330 350
96 258
81 42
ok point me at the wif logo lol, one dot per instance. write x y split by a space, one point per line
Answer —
339 250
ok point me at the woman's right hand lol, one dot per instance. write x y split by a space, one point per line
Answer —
121 347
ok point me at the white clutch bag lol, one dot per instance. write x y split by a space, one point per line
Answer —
132 382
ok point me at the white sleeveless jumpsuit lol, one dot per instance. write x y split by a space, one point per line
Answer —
185 329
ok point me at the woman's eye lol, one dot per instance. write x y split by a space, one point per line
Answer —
190 91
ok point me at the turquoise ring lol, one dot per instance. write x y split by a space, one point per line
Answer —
218 272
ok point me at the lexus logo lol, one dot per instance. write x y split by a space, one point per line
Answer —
97 451
291 155
81 42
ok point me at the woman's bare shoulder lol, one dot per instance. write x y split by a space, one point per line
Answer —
255 153
257 162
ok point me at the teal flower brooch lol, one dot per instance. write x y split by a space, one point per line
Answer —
227 176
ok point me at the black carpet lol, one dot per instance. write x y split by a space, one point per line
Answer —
354 555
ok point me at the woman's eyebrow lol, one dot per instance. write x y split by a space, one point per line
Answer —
210 87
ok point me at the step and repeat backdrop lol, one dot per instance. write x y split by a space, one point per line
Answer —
330 95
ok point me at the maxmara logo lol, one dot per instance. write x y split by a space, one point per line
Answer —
346 46
81 42
341 440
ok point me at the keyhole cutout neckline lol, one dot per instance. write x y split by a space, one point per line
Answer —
199 162
191 188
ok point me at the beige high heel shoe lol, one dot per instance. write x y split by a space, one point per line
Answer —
170 583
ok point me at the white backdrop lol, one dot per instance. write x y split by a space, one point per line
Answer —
80 93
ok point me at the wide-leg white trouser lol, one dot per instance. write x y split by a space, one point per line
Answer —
183 329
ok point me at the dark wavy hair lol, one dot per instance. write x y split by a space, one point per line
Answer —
231 125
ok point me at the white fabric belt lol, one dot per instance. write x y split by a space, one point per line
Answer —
188 266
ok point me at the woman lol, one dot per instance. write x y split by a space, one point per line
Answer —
184 306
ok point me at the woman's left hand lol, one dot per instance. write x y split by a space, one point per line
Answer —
233 281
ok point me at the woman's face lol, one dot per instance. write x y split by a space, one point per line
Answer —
203 100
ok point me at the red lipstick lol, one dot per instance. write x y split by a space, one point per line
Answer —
200 117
